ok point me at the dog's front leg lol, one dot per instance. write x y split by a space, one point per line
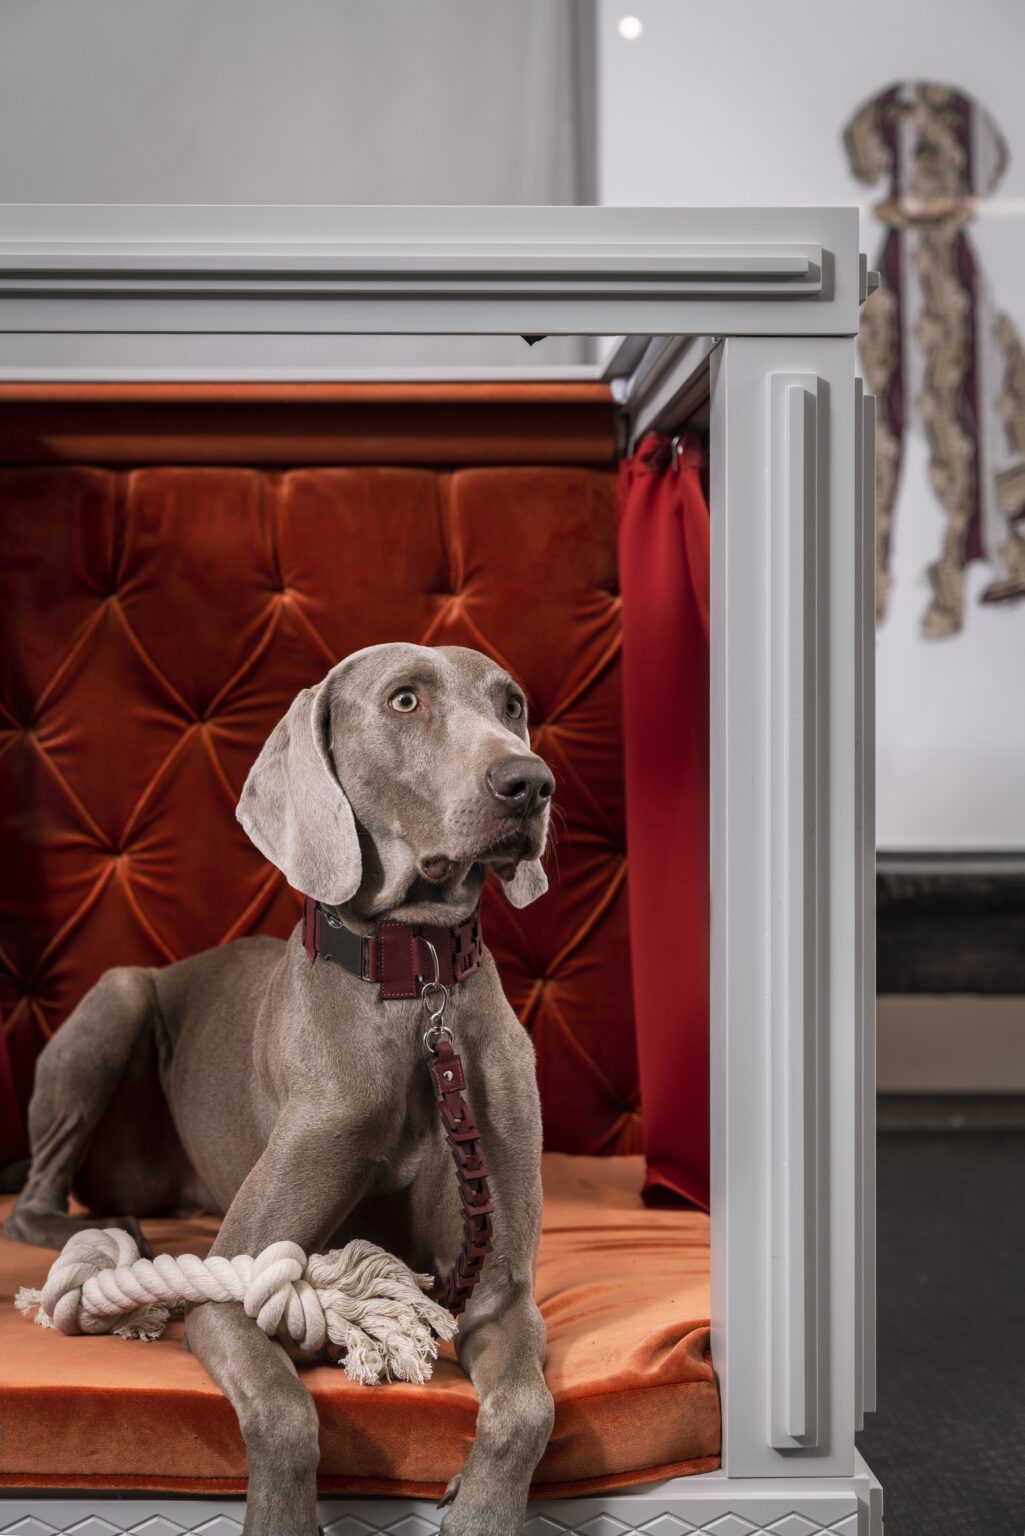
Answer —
275 1412
501 1345
303 1185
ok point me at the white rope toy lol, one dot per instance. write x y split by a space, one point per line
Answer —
359 1298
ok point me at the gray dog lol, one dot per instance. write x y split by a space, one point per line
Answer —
289 1096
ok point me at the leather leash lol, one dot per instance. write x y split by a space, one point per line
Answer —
397 958
471 1174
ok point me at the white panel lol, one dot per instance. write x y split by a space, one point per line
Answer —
83 270
784 1076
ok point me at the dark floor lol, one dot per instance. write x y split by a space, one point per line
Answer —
948 1440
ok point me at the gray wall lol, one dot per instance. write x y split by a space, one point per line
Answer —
303 101
288 101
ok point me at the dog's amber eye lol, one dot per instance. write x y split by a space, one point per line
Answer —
514 707
404 701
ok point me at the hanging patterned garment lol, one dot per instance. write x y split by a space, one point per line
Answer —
933 350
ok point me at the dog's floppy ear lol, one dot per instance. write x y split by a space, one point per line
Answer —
527 884
295 810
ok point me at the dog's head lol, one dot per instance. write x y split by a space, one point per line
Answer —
398 781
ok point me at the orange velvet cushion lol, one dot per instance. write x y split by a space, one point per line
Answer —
624 1293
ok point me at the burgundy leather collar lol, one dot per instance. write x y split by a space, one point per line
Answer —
398 956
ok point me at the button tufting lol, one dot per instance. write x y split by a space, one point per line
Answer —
206 626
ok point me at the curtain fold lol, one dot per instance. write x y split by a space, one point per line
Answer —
664 575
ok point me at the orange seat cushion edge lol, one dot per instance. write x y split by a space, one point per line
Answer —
624 1291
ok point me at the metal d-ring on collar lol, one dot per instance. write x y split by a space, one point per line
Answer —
434 996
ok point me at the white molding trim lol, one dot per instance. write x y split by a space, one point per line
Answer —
82 270
671 379
712 1503
799 814
130 358
865 898
953 1045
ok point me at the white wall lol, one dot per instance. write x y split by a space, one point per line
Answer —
741 101
299 101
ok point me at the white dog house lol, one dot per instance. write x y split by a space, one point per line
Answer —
754 311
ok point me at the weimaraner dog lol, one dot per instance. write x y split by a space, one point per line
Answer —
287 1095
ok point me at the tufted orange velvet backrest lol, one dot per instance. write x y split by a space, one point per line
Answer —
157 621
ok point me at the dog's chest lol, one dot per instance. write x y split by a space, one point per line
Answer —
413 1137
402 1166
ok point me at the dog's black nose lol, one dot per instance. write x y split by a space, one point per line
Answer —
522 784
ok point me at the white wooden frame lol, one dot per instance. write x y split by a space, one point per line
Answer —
758 308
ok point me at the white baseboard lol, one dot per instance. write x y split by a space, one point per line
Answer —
711 1504
951 1044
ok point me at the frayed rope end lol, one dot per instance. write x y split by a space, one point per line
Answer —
145 1323
26 1299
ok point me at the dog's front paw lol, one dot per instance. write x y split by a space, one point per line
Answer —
450 1491
463 1519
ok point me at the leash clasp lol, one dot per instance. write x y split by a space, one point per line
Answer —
434 996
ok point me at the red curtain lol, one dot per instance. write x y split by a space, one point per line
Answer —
664 573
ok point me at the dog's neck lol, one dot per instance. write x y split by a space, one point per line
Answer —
430 903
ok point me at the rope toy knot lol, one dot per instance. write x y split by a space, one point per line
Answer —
280 1299
369 1307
